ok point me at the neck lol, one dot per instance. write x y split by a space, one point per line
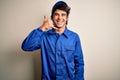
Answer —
60 30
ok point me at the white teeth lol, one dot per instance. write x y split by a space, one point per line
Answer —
59 21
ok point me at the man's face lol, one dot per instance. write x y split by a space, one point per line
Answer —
60 18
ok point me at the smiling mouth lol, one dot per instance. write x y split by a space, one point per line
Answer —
59 22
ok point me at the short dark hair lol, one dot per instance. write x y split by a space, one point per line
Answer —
61 5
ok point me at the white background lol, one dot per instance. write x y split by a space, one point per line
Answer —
96 21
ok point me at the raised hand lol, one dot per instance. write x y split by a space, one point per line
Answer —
47 24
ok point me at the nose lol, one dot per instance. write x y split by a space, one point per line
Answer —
59 17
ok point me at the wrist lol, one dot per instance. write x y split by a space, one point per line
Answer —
43 28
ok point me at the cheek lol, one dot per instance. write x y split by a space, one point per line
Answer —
54 18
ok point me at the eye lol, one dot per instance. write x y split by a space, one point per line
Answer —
55 14
63 14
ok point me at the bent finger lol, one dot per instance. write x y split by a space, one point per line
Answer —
45 18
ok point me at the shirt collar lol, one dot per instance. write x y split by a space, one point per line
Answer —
65 33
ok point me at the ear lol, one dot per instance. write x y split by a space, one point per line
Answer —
67 20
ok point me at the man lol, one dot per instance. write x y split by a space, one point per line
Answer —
61 52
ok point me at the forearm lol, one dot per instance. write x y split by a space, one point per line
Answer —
79 61
32 41
79 71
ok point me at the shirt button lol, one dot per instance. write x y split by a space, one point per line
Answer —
59 72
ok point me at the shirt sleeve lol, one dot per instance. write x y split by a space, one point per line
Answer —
32 41
79 62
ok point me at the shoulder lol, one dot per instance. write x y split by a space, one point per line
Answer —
70 32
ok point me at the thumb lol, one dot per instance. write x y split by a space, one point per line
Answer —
45 18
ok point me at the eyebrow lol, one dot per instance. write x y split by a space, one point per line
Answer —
58 13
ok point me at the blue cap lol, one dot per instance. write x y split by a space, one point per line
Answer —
62 6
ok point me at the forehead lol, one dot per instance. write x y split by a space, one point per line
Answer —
60 11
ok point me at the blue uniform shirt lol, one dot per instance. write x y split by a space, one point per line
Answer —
62 57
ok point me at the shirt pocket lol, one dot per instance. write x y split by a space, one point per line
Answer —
68 53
